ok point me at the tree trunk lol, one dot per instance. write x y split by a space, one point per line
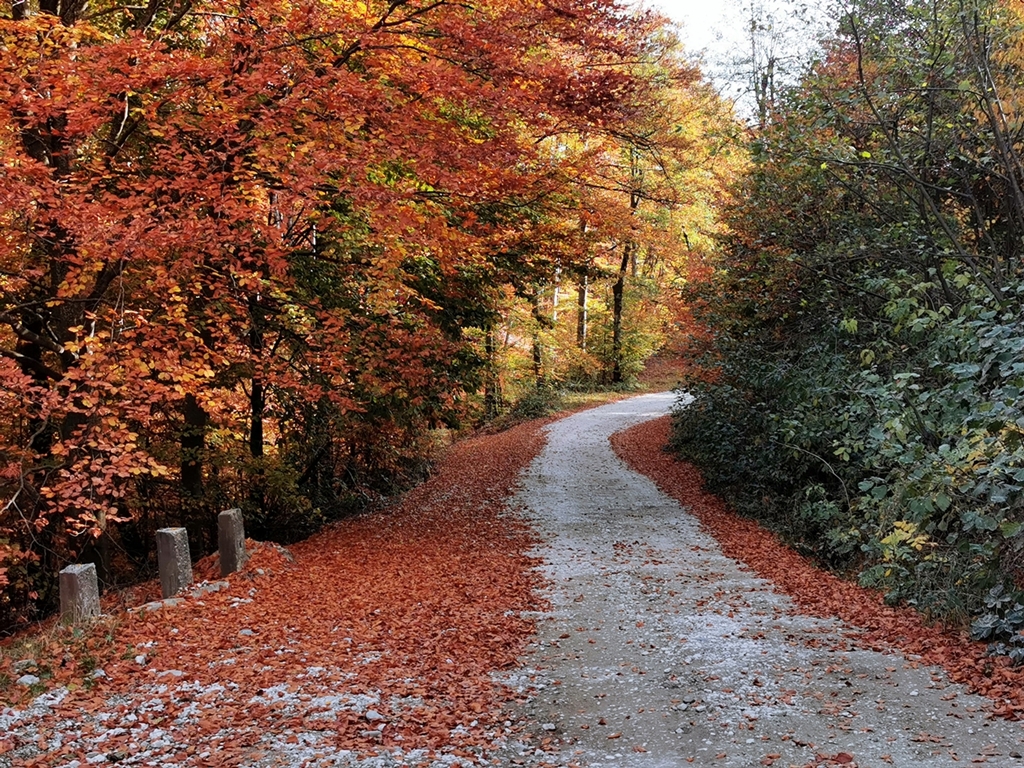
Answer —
193 445
629 255
257 406
257 403
257 397
538 347
492 387
617 292
581 312
556 295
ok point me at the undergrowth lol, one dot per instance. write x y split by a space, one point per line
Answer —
863 392
897 457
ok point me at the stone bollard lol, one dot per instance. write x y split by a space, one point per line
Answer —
230 541
79 592
173 560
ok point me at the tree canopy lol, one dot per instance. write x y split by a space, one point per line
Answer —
254 251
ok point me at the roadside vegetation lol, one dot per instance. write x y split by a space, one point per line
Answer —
862 388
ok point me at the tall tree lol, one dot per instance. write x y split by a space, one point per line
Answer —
247 236
869 305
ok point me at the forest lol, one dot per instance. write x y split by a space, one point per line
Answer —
274 254
270 254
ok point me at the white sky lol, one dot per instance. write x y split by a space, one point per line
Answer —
702 21
716 34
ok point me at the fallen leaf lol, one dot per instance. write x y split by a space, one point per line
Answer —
815 591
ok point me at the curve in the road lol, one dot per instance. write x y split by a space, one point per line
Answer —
660 652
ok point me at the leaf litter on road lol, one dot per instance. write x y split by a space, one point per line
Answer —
379 639
376 647
818 592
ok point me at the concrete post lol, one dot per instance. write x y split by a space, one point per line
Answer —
174 560
231 541
79 592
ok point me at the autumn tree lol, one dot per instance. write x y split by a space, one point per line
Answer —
245 241
644 193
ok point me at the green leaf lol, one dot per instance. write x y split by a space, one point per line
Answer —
1010 529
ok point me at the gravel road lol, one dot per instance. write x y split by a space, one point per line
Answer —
660 651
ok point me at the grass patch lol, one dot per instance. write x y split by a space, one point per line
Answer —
57 654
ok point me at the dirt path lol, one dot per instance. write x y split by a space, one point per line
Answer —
660 651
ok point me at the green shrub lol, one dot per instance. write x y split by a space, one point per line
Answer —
905 465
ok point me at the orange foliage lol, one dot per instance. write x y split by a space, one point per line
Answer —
418 603
245 239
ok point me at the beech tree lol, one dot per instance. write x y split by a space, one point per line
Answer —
659 180
244 240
